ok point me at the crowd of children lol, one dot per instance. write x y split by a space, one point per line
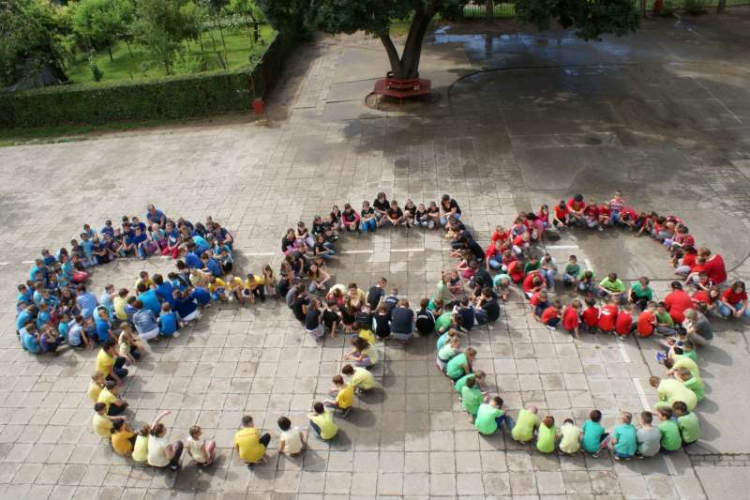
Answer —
54 306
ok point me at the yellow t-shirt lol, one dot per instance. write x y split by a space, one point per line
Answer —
106 397
257 280
94 391
149 283
121 442
345 397
104 362
324 421
363 379
235 284
119 304
219 283
140 450
248 442
372 352
366 333
102 425
685 362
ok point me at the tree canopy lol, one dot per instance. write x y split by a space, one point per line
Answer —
103 22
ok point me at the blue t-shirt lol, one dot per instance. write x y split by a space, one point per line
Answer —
193 261
201 295
23 316
139 238
627 442
87 303
64 329
592 436
37 269
156 217
102 330
108 230
165 292
49 260
213 267
150 301
88 247
173 237
145 321
30 343
42 319
168 323
25 297
74 335
185 307
201 245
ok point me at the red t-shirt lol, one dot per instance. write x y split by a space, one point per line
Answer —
628 212
677 303
689 259
701 296
535 299
716 270
528 282
576 205
646 323
519 240
604 210
549 314
688 241
608 317
591 316
515 271
560 213
623 323
499 236
570 319
591 211
491 251
733 297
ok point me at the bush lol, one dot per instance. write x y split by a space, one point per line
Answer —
695 7
165 98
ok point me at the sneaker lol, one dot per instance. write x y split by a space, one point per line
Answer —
600 228
616 458
595 455
660 357
551 328
176 335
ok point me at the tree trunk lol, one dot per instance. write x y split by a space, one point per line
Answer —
489 10
109 49
221 32
130 51
722 5
407 66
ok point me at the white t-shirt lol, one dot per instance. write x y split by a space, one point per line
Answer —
292 441
195 448
157 455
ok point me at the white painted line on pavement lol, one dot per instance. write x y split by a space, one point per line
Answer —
403 250
4 263
353 252
561 247
28 262
259 254
641 393
623 351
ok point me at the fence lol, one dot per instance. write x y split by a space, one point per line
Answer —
479 10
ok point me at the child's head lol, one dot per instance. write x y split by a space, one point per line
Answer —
497 402
165 307
573 259
533 409
394 291
382 283
195 432
683 373
626 417
247 421
661 307
338 380
665 414
347 370
471 382
100 408
568 421
549 421
576 304
595 415
680 408
284 423
319 408
654 381
479 375
647 417
98 378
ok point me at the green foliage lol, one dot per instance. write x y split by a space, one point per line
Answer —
695 7
161 25
96 73
102 22
30 35
155 99
291 17
590 18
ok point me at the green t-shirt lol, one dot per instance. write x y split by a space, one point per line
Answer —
692 354
592 436
690 427
616 286
471 398
627 441
455 367
696 385
501 279
485 422
525 425
460 383
670 435
573 269
442 293
528 267
446 352
642 292
545 439
570 442
664 319
443 322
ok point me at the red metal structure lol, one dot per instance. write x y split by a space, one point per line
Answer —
403 89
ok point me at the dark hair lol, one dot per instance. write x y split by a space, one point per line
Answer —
647 417
676 285
99 407
157 429
595 415
108 344
578 197
116 425
318 407
498 400
347 370
247 420
284 423
680 406
666 412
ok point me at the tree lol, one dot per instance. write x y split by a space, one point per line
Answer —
102 22
30 32
590 18
248 8
161 25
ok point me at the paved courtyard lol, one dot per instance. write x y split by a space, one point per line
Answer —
524 119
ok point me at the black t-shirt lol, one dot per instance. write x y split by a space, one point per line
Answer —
297 309
321 228
476 249
365 213
433 210
312 319
419 214
349 216
451 206
374 294
492 308
401 320
329 318
395 213
425 322
383 206
467 313
383 328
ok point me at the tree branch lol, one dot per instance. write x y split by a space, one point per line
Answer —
393 57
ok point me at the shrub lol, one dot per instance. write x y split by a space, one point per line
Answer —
695 7
170 98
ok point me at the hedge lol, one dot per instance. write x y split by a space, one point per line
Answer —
164 98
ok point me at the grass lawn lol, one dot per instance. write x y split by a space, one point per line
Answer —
239 47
